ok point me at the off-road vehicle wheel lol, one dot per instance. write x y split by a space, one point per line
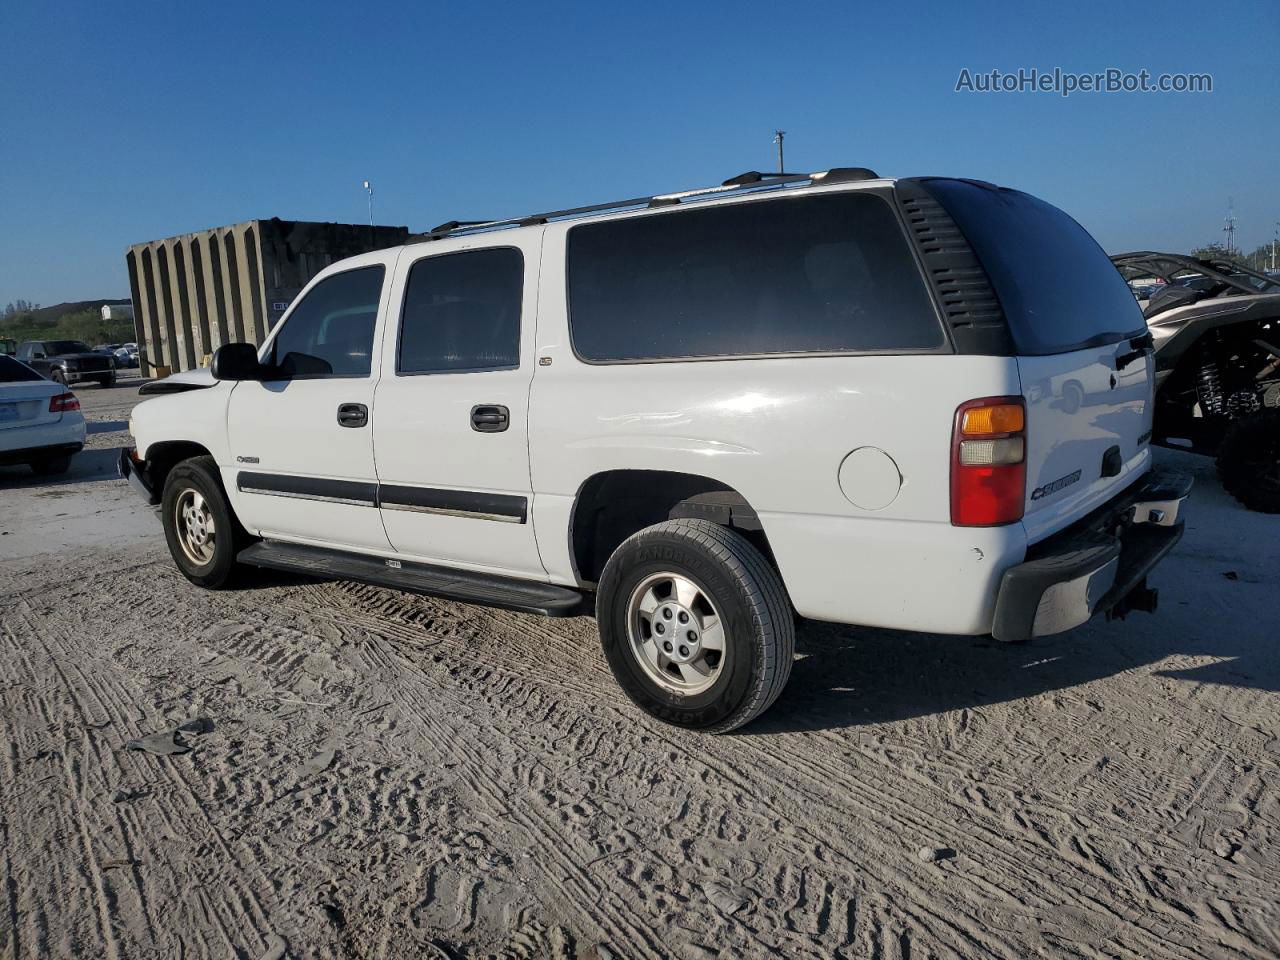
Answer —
1249 462
696 625
107 381
203 534
57 376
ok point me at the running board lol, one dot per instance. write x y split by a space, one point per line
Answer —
485 589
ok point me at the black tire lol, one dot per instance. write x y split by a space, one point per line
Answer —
200 474
52 466
107 381
57 376
747 595
1249 462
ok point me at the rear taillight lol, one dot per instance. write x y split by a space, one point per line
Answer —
988 462
63 403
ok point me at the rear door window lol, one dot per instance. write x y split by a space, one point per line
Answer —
1059 290
462 312
819 274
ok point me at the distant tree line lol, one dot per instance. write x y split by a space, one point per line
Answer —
21 322
19 306
1259 259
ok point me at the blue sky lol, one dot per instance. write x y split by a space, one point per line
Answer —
126 122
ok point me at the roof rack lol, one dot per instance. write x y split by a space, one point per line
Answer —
1166 266
752 180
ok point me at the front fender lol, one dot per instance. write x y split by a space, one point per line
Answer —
197 417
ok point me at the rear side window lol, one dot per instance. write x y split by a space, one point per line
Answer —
462 312
330 332
11 371
818 274
1059 290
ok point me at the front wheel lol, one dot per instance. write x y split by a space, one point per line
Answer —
57 376
203 534
696 625
1249 462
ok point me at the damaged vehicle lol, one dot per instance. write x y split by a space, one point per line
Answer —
1216 329
921 404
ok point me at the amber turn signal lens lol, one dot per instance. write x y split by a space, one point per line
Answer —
1001 418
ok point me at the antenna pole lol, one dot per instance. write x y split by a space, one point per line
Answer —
1230 228
369 190
778 135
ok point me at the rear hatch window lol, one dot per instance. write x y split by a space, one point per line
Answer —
11 371
1059 290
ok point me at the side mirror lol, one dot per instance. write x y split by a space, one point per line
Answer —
236 361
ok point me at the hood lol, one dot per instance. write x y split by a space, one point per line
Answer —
91 355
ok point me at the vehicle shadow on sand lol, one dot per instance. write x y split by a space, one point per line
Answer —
89 465
850 676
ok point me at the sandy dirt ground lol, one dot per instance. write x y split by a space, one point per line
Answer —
391 776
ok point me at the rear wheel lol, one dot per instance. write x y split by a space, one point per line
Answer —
107 381
203 534
1249 462
52 466
696 625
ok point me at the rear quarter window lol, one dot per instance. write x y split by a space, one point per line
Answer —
11 371
1059 290
831 273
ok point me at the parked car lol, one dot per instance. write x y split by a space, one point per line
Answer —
40 421
127 355
68 361
1216 330
8 347
922 404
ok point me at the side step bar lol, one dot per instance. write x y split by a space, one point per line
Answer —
484 589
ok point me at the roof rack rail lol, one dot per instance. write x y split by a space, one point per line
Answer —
751 180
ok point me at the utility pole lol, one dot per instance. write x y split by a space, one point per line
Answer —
1274 237
777 138
1230 228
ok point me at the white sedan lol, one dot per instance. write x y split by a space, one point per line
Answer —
40 421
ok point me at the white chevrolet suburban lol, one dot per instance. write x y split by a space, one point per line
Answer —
920 403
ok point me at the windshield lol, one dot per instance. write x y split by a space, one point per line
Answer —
55 347
1059 290
11 371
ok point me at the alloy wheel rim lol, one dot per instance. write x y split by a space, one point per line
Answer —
676 633
195 526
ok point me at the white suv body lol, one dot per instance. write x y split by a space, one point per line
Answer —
795 360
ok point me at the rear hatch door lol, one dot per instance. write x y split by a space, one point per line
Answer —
1081 346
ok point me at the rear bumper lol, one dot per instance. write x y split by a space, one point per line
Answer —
136 473
36 454
1098 565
